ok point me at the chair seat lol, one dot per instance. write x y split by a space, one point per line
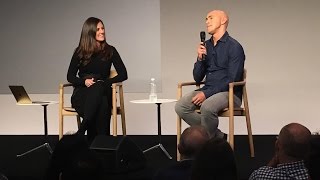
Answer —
225 112
237 112
70 109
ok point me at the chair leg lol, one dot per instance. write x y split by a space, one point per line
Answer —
178 136
250 135
78 121
60 126
114 111
114 124
123 121
231 131
231 117
123 117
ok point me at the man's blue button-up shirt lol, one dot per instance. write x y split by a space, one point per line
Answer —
224 63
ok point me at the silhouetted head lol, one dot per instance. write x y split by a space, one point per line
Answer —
293 142
215 161
191 141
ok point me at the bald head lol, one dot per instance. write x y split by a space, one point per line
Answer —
294 140
191 140
220 14
217 22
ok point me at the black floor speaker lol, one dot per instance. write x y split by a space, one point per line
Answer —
118 154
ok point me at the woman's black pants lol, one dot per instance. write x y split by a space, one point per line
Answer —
93 104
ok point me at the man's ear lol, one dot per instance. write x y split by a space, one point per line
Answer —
223 20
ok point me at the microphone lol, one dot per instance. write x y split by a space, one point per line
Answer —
203 39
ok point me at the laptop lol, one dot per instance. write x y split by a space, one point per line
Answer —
22 96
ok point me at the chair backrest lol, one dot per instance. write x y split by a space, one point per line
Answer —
113 73
244 94
237 111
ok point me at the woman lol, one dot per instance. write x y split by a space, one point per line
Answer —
89 72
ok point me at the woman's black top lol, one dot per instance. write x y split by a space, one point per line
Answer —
97 68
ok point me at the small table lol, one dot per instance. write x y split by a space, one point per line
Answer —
158 102
46 144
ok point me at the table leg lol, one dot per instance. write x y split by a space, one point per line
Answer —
159 121
45 120
46 144
159 135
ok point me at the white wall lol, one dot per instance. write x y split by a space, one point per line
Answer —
38 38
281 44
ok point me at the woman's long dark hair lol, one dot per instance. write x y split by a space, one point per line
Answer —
88 43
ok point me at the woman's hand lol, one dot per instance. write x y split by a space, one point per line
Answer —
89 82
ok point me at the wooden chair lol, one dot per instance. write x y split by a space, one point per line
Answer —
227 112
117 93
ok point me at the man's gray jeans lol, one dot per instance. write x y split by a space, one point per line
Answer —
209 111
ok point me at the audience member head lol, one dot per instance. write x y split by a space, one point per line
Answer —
313 160
215 161
191 141
293 143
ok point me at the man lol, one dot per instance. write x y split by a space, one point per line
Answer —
220 61
291 148
191 141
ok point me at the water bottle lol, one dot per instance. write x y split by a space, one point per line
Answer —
153 90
